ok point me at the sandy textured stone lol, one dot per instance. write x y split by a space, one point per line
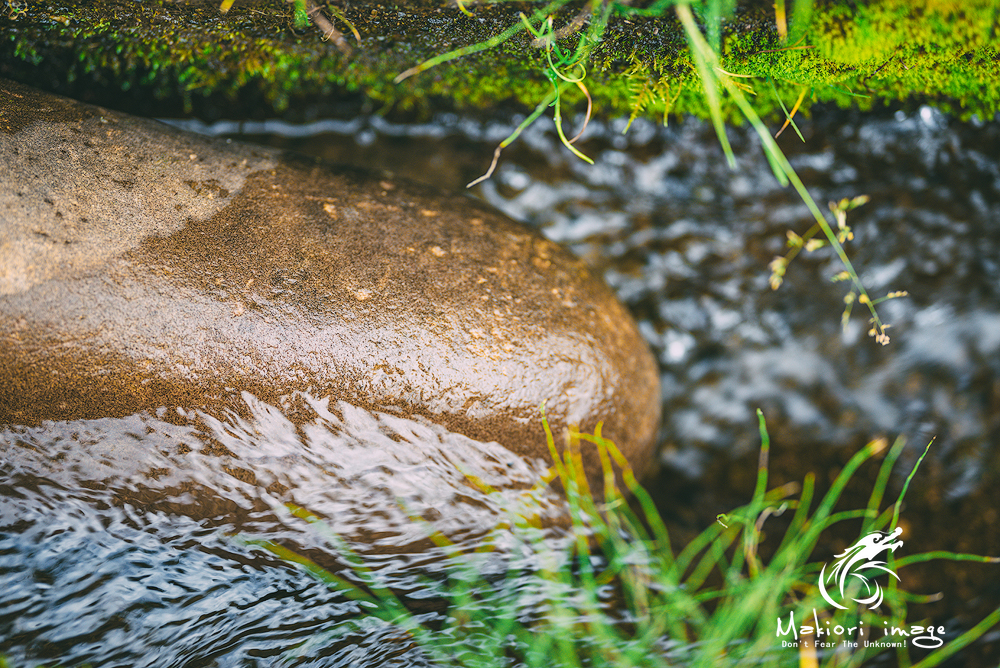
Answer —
145 267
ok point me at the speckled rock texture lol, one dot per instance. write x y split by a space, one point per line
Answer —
144 267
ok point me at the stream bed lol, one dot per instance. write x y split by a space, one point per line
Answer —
109 567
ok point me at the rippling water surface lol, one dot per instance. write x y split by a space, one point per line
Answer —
139 565
127 542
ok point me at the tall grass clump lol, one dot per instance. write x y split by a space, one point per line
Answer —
616 593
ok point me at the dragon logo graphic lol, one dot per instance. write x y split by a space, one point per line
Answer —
859 557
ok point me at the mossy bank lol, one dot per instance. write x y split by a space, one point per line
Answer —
637 62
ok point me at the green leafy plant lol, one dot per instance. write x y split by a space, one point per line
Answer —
650 90
714 602
809 243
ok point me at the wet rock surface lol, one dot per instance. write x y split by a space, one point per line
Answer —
83 185
145 267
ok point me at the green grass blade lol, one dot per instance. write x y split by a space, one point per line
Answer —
492 42
942 554
938 656
906 486
703 57
882 482
784 109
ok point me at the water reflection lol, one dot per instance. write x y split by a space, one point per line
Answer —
123 542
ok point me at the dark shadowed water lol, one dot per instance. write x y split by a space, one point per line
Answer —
124 567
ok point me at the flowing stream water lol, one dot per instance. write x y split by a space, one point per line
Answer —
110 565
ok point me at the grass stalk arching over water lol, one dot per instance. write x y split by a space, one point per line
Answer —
564 65
715 602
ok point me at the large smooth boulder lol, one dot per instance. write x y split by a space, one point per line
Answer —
142 267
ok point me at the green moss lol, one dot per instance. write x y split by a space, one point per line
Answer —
938 52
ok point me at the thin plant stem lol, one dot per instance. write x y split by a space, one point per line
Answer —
906 486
